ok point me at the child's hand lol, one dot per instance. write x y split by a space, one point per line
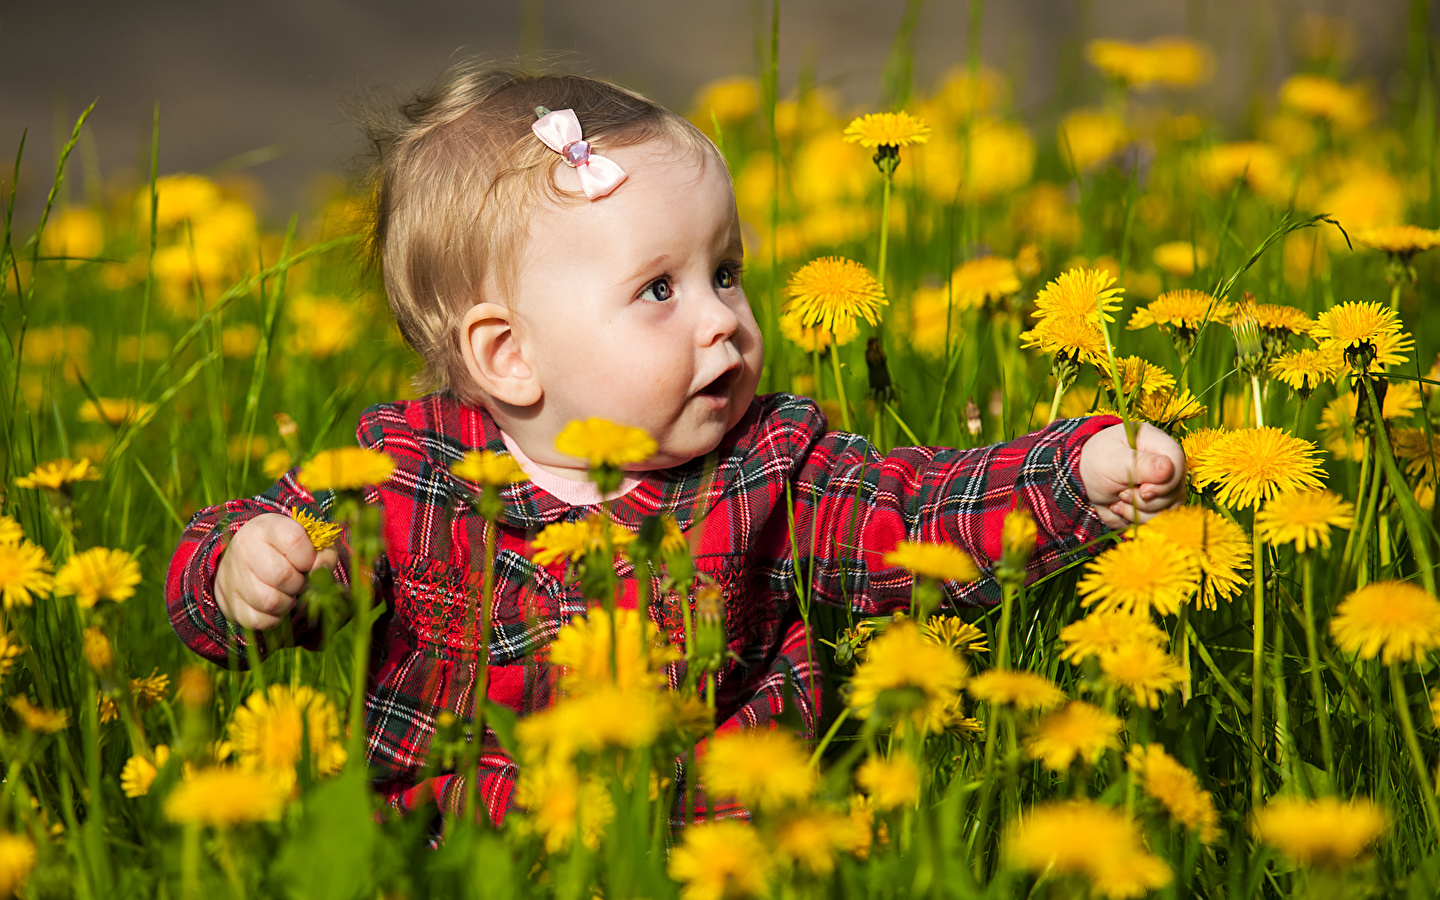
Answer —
263 570
1156 466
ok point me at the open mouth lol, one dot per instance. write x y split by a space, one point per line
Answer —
720 387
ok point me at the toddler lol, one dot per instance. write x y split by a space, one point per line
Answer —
544 277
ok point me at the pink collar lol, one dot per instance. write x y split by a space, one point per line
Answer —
575 493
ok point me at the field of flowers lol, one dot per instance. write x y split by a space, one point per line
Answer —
1236 699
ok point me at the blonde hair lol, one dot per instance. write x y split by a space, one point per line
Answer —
453 176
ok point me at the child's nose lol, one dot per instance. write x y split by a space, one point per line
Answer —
718 321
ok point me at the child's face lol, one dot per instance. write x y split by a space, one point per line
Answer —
630 308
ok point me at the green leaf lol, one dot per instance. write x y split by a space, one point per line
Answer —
331 854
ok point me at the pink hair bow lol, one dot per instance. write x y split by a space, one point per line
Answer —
560 131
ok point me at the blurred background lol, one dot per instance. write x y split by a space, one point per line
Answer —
259 87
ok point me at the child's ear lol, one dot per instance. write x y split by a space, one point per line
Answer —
493 355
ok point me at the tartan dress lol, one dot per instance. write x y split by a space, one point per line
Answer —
851 506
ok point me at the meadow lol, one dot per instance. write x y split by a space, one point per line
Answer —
1232 700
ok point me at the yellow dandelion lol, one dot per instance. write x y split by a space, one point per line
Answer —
1199 447
605 444
590 658
1142 375
1304 518
811 838
59 475
832 292
898 129
35 718
24 574
10 650
1276 318
890 782
1084 839
724 860
811 337
346 469
602 717
1137 576
1072 337
572 540
489 469
1420 451
765 768
115 412
558 803
322 534
1400 618
1086 293
1143 669
1365 333
139 773
1347 108
909 677
1254 464
1102 632
94 646
1022 690
730 100
1161 776
98 574
1181 258
1165 409
1220 548
10 531
942 562
955 633
1186 311
1079 731
1169 61
1089 137
983 279
146 691
1326 831
271 729
17 859
226 795
1403 241
1305 370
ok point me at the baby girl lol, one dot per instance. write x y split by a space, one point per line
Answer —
588 263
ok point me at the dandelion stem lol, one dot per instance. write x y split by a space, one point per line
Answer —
1257 668
829 736
1259 402
840 386
1317 687
884 226
1412 743
1055 401
1409 509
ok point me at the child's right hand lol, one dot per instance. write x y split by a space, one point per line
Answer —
264 570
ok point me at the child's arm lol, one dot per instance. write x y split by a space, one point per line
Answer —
264 570
1123 482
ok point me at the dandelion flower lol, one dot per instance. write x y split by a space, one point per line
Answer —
489 469
811 838
904 673
115 412
1089 137
1137 576
24 574
17 859
942 562
98 574
1172 61
1421 452
1142 375
605 444
269 731
1402 241
572 540
891 782
1400 618
1317 95
1366 333
139 773
1102 632
1199 447
1161 776
35 718
1304 518
225 795
1071 337
10 650
832 292
886 130
1094 842
1079 731
955 633
1186 311
1143 669
1254 464
96 649
983 279
1305 370
765 768
1087 293
346 469
811 338
723 860
558 803
10 531
1326 831
322 534
1181 258
59 475
583 648
1219 547
1023 690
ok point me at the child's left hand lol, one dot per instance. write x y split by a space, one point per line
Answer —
1155 468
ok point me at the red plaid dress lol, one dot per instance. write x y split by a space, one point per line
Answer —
851 506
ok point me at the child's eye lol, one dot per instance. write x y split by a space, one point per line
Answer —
659 290
727 276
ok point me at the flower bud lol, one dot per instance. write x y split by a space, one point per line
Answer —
96 650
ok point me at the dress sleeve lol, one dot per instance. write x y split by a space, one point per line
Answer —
853 505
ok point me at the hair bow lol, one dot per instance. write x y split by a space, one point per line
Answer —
560 131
